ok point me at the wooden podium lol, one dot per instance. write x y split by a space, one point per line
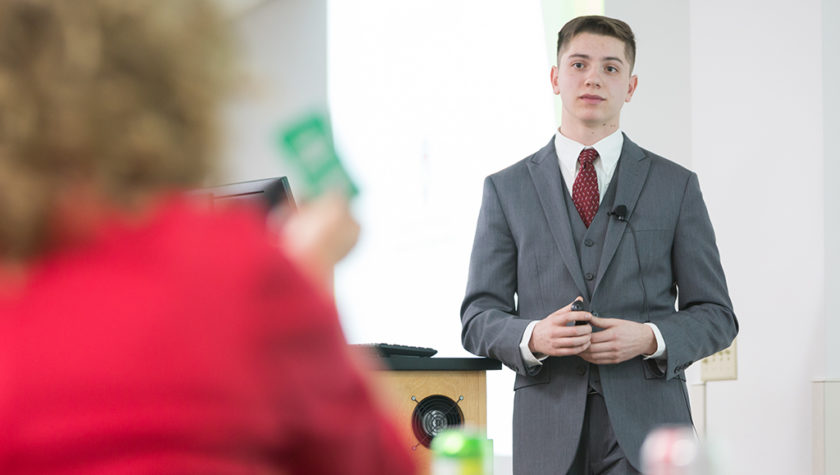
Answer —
432 394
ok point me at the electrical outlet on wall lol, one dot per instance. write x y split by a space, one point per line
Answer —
721 366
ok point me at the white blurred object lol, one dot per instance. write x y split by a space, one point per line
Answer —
675 450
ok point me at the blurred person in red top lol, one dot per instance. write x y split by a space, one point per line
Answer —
140 332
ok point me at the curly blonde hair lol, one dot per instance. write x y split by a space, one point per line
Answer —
121 95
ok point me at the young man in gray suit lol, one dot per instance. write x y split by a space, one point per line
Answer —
594 217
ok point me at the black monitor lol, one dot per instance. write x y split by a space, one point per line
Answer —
268 193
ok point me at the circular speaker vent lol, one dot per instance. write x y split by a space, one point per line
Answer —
434 414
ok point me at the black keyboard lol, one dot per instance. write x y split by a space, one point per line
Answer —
387 349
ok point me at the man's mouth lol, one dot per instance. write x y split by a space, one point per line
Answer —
592 99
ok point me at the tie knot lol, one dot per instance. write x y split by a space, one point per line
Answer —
587 156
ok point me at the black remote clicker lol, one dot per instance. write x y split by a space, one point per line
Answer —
577 306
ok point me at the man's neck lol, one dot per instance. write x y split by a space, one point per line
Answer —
587 135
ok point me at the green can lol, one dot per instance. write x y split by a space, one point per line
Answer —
462 451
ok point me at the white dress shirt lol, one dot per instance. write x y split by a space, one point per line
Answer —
568 151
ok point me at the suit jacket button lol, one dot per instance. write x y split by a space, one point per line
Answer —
588 242
581 370
589 276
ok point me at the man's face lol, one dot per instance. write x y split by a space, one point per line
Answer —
593 80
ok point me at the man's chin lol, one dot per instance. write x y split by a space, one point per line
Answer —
593 122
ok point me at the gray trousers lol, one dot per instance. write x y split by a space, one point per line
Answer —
598 452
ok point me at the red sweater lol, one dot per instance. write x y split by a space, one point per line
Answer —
189 344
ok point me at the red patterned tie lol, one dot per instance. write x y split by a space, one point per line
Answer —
585 190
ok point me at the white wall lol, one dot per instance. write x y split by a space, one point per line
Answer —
283 45
831 181
757 138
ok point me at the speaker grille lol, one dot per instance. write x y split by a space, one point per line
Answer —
434 414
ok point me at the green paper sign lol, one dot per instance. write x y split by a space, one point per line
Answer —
311 153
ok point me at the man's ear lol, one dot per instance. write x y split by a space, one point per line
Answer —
634 82
554 79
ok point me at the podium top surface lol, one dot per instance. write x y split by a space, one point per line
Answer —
414 363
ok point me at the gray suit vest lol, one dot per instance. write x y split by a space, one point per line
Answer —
589 244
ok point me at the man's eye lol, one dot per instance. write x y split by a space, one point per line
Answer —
577 65
611 69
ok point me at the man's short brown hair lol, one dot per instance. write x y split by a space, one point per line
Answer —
599 25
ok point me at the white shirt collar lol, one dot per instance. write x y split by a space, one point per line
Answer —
608 148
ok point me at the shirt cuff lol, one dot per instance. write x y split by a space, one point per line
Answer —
531 359
660 342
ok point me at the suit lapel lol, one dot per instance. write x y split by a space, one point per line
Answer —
545 173
633 166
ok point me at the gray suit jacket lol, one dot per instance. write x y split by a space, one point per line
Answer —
524 266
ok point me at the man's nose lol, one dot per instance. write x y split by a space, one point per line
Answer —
593 79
